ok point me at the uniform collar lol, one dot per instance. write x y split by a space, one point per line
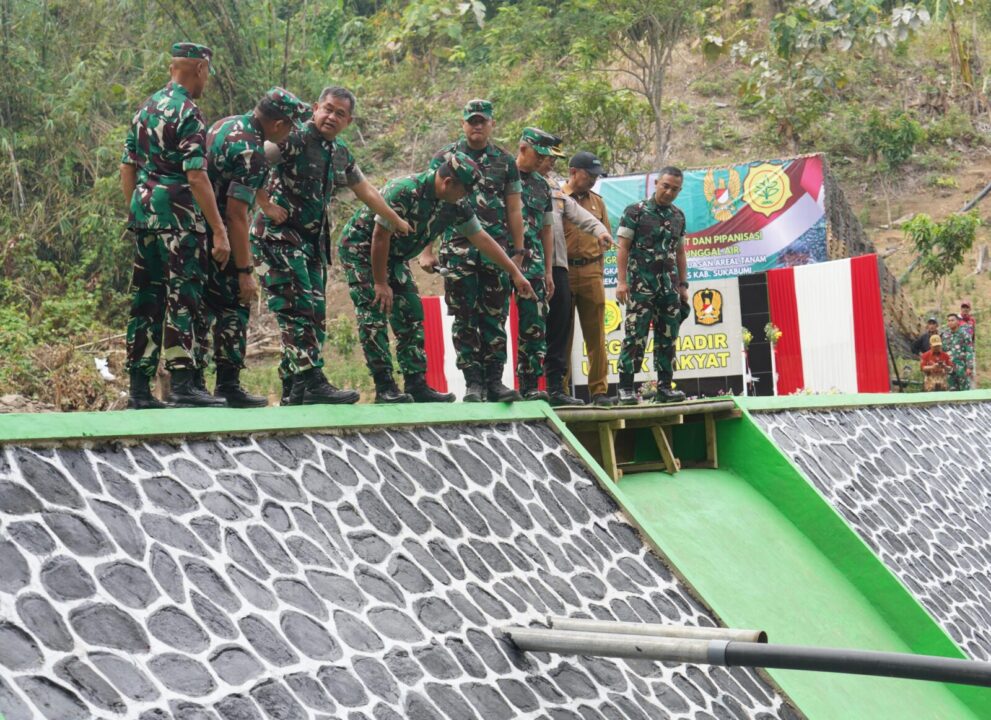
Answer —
177 88
426 182
566 188
469 149
253 122
311 130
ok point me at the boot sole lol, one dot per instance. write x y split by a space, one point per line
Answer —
449 399
398 401
254 404
329 401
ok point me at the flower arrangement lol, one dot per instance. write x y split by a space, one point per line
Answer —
747 337
772 333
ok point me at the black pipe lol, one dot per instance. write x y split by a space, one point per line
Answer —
858 662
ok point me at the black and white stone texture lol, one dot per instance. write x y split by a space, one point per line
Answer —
914 481
354 576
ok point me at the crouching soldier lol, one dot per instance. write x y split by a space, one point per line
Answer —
383 291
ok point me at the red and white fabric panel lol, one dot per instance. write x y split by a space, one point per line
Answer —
442 368
832 325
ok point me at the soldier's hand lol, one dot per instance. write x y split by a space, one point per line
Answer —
276 213
402 227
605 241
523 287
549 284
221 248
383 298
247 288
428 262
622 294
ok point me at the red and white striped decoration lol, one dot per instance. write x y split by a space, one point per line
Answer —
832 325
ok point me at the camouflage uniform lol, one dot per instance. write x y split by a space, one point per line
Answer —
237 166
655 233
532 314
414 199
292 257
476 290
959 345
166 139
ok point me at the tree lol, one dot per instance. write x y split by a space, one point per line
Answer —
941 245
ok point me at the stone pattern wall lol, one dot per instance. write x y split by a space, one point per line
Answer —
357 577
915 483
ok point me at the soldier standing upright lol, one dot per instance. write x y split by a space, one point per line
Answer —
238 169
477 291
164 180
293 251
653 283
959 345
377 267
538 256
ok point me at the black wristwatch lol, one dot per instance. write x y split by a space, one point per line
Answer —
517 251
683 284
246 270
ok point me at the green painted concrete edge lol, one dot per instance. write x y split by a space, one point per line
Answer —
836 402
746 449
152 424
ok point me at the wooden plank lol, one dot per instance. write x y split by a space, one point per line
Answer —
664 447
671 420
607 441
629 468
711 457
594 425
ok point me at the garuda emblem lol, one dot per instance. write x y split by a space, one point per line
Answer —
722 199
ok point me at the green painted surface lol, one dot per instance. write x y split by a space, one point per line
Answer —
834 402
757 570
197 421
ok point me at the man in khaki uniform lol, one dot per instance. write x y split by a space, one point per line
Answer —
585 270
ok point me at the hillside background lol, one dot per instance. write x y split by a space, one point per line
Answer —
895 94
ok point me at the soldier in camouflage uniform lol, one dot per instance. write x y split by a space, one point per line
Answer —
958 343
164 180
477 292
651 256
293 251
382 288
538 241
237 167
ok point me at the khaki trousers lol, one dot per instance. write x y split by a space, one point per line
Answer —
588 297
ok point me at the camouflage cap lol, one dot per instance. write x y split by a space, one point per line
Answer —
477 107
289 105
464 169
193 51
544 143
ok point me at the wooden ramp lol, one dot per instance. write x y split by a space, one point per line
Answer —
611 434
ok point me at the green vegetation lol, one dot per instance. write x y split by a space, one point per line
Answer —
885 88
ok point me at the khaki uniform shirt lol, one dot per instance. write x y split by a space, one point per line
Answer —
581 244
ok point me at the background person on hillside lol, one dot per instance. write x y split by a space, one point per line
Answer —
967 321
936 366
921 343
960 346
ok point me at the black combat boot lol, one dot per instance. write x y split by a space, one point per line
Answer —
140 396
386 390
186 394
559 395
416 385
625 392
317 391
475 388
287 391
529 389
497 392
199 380
229 387
665 394
603 400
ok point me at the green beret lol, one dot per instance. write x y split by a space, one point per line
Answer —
544 143
289 105
464 169
194 51
477 107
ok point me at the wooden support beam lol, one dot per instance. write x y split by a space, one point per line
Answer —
664 447
711 457
607 442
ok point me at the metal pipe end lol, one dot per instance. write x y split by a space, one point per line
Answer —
761 637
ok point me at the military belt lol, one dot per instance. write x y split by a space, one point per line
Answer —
582 262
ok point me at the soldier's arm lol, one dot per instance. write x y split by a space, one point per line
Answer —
583 219
494 252
367 193
514 217
199 183
682 267
624 238
381 241
547 240
237 227
128 181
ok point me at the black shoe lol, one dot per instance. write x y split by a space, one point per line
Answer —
229 387
603 400
416 386
667 395
474 387
627 396
529 389
386 391
199 380
298 387
287 391
186 394
317 391
495 390
559 398
140 395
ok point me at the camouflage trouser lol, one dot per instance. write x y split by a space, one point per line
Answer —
406 318
958 380
296 284
224 315
666 313
479 302
167 294
532 316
